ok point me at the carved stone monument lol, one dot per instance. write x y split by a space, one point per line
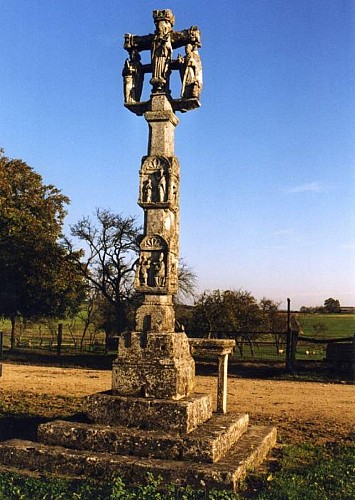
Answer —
154 361
152 420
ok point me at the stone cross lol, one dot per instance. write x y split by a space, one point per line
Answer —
154 360
161 44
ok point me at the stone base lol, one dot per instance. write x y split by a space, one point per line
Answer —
227 473
207 443
176 417
153 365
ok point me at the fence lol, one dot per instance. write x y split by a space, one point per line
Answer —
55 338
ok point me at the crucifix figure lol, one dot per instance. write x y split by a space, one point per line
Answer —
161 44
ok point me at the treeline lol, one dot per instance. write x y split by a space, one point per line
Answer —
48 276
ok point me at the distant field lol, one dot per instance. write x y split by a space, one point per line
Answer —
319 326
43 335
335 325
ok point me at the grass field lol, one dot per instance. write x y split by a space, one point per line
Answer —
43 336
335 325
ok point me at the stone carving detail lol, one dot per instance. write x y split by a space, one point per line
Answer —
143 270
152 264
162 50
155 181
153 243
151 269
159 270
161 44
191 73
133 77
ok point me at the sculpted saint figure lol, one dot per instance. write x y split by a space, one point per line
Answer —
191 73
161 51
133 76
162 186
147 190
144 265
159 271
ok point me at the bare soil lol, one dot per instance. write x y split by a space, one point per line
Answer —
302 411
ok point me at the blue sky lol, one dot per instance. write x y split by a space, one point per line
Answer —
267 162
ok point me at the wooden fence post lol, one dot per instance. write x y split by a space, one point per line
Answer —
59 338
289 340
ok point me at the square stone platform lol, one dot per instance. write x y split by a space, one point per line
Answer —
181 441
227 473
181 416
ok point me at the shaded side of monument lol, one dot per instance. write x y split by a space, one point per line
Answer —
152 420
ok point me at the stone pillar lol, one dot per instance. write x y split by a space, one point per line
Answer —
222 383
154 361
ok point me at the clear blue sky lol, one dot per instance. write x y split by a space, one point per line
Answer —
267 162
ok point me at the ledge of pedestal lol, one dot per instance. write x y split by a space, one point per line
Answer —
179 417
208 443
248 452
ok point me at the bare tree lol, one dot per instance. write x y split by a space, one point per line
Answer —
109 259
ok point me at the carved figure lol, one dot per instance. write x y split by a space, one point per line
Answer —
144 265
133 76
159 271
162 49
191 73
161 187
147 190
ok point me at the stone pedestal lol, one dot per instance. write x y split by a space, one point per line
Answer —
153 365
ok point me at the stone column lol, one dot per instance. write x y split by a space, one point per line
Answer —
154 361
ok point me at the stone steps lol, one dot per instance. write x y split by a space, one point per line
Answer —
248 452
208 443
178 416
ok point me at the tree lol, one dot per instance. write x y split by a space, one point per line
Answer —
109 263
273 322
37 275
331 306
187 280
227 313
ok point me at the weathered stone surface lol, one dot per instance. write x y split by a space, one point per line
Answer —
211 347
156 365
179 417
207 443
249 451
212 440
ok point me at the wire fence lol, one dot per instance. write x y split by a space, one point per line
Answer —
49 337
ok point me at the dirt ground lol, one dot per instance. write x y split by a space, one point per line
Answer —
302 411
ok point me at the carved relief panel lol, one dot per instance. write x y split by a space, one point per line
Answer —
154 268
158 183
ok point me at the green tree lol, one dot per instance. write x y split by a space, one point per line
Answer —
273 321
331 306
229 313
37 275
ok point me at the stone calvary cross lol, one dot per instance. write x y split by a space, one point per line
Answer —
154 360
161 45
152 421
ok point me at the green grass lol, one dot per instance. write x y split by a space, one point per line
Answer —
309 472
18 487
336 325
304 472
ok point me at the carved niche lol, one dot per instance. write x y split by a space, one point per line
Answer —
152 266
155 181
159 182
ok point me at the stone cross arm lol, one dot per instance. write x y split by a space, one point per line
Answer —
178 39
